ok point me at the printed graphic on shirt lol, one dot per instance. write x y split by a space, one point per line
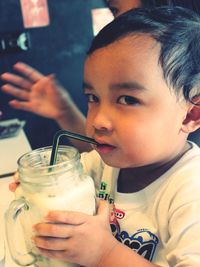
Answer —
143 241
104 193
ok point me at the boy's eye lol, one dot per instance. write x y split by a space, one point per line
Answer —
128 100
91 98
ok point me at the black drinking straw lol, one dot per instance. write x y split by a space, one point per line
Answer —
70 135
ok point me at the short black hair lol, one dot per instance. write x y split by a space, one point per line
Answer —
154 3
190 4
177 30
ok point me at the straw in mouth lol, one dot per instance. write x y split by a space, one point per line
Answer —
70 135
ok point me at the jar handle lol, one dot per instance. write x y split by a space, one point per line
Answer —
11 215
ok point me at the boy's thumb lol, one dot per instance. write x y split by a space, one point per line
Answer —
104 209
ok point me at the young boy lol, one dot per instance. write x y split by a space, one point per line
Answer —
142 81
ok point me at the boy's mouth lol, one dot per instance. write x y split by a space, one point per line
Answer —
104 148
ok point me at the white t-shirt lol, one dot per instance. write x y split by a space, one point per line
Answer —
162 221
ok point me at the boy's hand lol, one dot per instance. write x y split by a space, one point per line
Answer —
13 185
76 237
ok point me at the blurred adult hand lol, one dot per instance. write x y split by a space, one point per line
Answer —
36 93
44 96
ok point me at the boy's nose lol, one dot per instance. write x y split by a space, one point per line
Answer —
103 120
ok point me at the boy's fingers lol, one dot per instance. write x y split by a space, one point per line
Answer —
76 218
104 209
68 217
51 253
103 206
53 230
50 243
13 186
16 177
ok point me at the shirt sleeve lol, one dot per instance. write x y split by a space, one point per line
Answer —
183 245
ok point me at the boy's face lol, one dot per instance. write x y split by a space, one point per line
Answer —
131 109
120 6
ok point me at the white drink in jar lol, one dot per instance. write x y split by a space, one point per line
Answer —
63 186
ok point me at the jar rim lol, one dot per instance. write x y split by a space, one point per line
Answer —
75 157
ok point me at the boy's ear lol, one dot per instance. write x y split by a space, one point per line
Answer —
192 120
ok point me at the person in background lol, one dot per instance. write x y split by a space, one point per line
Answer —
118 7
141 115
44 96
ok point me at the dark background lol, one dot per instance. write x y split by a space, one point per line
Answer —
59 48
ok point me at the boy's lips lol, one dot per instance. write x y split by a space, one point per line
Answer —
103 147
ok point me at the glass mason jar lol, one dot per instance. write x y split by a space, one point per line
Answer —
62 186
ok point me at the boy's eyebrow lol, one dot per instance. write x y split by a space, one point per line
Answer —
87 86
116 86
128 85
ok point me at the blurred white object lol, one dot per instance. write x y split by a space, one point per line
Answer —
11 149
2 243
6 197
100 18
